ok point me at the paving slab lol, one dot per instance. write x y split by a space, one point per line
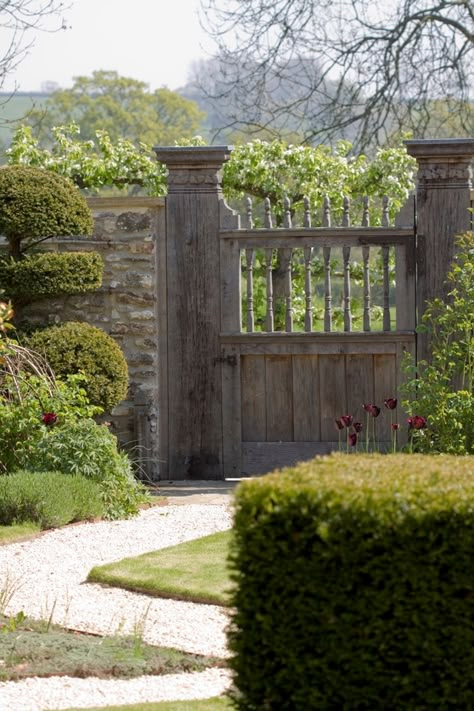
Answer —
186 492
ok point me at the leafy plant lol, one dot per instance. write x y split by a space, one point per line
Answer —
24 401
76 347
38 276
48 498
441 390
36 204
90 450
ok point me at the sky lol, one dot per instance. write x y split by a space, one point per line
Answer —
155 41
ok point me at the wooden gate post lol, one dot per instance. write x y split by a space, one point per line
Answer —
443 201
189 315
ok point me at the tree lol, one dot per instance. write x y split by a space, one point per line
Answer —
18 18
123 107
374 66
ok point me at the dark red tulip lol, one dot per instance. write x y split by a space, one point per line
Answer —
339 424
347 420
372 409
395 426
417 422
358 426
353 439
390 403
49 418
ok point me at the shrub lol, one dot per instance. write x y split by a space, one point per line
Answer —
36 204
24 400
38 276
75 347
48 498
354 587
87 449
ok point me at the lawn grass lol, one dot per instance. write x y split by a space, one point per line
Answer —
217 703
30 648
18 532
196 570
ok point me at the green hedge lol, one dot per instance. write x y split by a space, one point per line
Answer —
45 274
77 347
354 585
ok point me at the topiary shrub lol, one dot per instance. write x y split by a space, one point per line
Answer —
76 347
37 276
36 204
354 585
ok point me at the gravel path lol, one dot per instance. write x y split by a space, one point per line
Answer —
46 577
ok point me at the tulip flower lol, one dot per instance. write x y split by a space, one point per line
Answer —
390 403
347 420
417 422
49 418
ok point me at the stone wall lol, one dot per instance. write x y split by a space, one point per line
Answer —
125 233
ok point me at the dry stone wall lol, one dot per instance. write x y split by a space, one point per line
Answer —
126 230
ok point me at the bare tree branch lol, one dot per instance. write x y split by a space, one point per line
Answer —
18 20
360 68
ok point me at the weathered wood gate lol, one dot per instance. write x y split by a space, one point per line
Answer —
247 386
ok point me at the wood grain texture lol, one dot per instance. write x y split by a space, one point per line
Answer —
306 411
279 398
231 411
332 379
253 398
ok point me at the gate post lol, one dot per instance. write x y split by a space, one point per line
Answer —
443 201
190 315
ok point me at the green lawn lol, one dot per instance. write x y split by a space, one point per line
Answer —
19 532
196 570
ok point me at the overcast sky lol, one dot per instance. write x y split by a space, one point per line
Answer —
155 41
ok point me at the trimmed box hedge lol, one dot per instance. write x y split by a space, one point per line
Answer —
354 585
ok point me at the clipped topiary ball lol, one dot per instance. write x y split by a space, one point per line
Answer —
36 204
76 347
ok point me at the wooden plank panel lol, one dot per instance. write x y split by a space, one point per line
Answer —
254 416
306 416
385 380
231 412
279 398
332 389
263 457
359 385
287 348
231 300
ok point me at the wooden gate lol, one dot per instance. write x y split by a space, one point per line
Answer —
315 322
267 336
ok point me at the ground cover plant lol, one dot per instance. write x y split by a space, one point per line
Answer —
196 570
14 533
30 648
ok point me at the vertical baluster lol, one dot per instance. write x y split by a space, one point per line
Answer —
269 320
308 313
249 211
346 216
386 289
286 255
250 261
287 212
346 255
267 208
365 258
385 218
365 213
307 213
327 290
327 212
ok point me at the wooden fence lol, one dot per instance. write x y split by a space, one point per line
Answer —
268 335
